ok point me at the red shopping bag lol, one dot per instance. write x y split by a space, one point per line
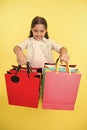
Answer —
23 88
60 90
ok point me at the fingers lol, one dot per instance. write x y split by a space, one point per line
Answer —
21 61
64 57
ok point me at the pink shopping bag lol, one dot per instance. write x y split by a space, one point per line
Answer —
60 90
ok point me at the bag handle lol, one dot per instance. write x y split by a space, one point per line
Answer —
15 78
28 68
57 66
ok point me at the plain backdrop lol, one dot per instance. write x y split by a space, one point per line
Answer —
67 25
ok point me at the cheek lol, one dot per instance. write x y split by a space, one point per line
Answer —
34 33
43 33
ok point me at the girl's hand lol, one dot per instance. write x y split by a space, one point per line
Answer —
21 59
64 55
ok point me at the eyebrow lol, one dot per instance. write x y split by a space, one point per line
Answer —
40 30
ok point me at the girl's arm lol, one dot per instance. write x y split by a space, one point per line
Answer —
61 50
21 58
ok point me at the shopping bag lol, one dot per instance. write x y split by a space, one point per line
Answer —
60 89
23 87
60 68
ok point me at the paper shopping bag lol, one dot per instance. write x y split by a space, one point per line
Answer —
23 89
60 90
60 68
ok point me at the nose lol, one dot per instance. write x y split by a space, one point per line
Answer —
38 33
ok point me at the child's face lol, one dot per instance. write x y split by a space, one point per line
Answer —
39 31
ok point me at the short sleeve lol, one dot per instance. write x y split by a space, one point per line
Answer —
55 46
23 45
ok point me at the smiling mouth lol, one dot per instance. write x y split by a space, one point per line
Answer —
38 38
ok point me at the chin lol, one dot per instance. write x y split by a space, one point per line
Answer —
38 39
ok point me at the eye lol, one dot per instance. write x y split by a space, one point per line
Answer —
35 30
42 31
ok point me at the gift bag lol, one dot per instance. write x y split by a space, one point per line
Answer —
60 68
60 89
23 87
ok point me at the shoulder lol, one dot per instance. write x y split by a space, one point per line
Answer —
54 45
28 41
48 40
25 43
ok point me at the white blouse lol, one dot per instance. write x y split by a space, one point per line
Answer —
39 52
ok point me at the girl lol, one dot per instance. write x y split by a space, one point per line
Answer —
39 46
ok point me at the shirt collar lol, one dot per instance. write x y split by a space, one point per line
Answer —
44 39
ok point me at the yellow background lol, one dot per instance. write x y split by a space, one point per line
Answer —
67 24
